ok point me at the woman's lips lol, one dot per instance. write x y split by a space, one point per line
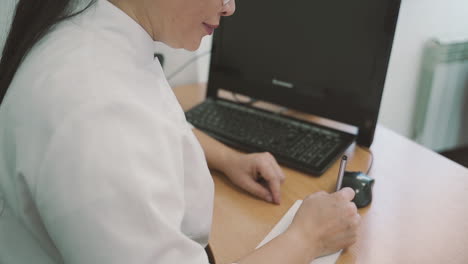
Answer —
210 28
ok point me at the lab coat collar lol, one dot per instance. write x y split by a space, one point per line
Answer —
113 20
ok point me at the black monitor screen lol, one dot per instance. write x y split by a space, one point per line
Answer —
324 57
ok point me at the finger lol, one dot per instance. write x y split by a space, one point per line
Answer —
355 221
268 173
351 209
348 240
258 190
277 168
346 193
275 189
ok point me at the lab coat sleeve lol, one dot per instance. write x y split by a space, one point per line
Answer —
190 125
110 188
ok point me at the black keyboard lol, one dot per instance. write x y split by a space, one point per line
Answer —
295 143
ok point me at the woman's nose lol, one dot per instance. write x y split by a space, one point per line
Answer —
229 8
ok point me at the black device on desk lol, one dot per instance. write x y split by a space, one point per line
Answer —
362 186
356 180
321 57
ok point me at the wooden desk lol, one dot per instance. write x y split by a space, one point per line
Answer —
419 212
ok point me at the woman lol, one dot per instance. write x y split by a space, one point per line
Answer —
97 162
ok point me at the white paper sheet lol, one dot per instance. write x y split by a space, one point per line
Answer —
283 225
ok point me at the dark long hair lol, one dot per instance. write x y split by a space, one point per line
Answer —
31 22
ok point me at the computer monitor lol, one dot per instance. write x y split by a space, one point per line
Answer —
327 58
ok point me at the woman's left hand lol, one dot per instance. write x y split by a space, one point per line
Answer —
258 174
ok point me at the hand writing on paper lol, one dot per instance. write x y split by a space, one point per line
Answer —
327 222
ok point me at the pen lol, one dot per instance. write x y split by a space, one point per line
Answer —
339 180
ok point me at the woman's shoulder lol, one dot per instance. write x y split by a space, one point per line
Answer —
71 65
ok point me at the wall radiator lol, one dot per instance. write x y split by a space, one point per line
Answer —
441 116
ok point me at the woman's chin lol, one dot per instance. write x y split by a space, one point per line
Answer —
193 46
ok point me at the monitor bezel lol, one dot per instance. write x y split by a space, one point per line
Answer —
364 119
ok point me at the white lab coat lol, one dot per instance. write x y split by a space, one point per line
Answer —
97 161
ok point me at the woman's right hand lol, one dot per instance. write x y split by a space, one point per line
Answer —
327 222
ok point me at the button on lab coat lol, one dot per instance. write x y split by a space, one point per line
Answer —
97 161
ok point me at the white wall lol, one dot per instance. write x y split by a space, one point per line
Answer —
419 21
